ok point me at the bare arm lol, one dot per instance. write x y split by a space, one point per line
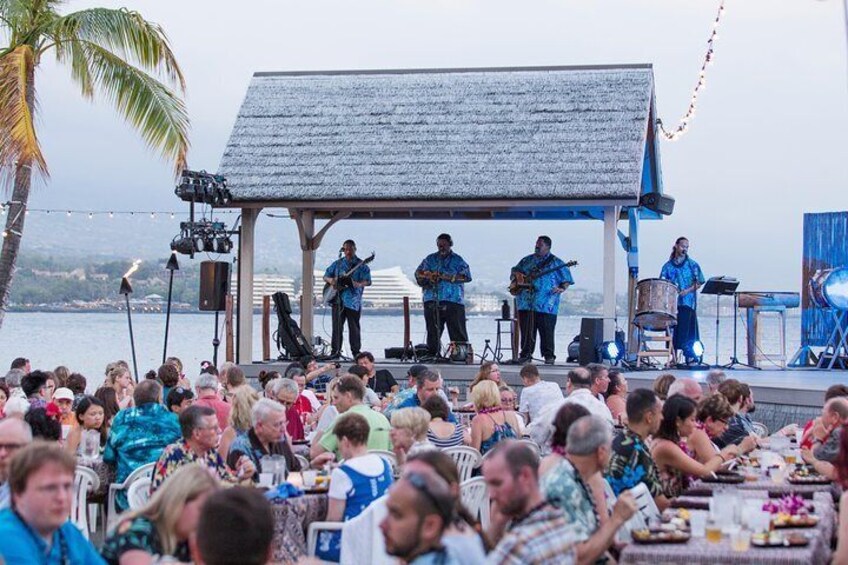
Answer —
135 557
226 441
476 432
73 440
335 510
667 453
590 550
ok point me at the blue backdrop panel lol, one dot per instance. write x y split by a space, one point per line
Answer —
825 247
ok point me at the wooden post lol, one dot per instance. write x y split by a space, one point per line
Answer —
229 341
610 235
245 291
407 333
516 331
266 327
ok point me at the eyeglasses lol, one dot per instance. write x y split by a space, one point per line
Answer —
443 506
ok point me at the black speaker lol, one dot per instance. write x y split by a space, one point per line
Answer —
591 339
214 285
662 203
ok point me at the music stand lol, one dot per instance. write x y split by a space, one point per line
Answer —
720 286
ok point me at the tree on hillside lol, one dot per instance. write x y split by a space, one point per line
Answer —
115 54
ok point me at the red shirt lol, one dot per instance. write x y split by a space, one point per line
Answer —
303 405
221 408
294 426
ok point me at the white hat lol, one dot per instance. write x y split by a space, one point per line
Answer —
63 393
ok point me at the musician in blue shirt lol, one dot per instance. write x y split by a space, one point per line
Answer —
538 302
684 272
347 305
443 275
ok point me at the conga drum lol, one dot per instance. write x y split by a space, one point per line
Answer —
656 304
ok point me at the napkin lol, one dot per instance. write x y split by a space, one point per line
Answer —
283 491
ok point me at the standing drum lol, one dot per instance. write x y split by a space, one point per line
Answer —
829 288
656 304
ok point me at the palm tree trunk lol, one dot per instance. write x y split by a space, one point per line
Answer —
16 211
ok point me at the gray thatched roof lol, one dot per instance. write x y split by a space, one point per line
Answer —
541 133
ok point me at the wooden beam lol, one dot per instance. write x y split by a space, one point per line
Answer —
266 328
610 237
245 291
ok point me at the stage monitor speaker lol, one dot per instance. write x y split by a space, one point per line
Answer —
591 339
661 203
214 285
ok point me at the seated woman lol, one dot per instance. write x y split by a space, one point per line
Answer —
441 433
662 383
491 424
91 417
361 479
327 414
508 403
676 466
239 420
163 526
616 396
713 414
409 432
489 371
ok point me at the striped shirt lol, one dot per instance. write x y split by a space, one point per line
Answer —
543 537
454 440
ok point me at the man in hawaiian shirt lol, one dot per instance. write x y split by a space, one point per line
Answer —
347 306
684 272
631 462
443 275
199 444
538 305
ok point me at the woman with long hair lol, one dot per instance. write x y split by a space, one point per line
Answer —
91 416
674 464
120 379
616 396
713 415
465 537
107 395
489 371
163 526
491 424
239 422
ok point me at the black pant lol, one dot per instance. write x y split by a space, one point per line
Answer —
530 322
340 316
448 313
686 331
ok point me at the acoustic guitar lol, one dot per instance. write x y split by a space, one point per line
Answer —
331 291
524 281
434 276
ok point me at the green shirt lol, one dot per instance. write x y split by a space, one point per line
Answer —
378 437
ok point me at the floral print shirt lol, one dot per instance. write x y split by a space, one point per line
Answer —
631 463
178 454
351 297
543 299
139 534
684 274
452 264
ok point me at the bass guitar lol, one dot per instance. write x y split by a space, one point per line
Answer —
331 291
524 281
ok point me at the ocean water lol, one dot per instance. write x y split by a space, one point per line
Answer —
86 342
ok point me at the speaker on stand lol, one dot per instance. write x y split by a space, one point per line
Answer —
214 288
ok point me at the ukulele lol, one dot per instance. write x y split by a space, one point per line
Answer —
521 281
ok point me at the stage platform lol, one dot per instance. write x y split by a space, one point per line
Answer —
782 396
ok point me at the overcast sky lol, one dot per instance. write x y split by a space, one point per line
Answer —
768 143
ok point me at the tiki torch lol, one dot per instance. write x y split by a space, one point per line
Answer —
172 266
126 290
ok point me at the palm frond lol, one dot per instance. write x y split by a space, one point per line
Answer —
148 105
125 33
17 103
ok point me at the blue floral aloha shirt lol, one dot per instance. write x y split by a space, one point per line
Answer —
451 264
543 299
351 297
631 463
684 274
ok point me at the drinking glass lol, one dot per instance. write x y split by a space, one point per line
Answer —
740 539
698 523
712 530
309 478
90 444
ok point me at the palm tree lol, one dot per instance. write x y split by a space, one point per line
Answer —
116 54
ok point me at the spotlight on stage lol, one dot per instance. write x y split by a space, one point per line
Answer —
223 245
611 351
829 288
695 350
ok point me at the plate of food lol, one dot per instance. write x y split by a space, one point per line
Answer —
782 520
659 535
779 539
675 519
725 477
806 476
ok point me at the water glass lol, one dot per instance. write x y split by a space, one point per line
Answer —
280 470
698 523
266 480
740 539
712 530
309 479
90 444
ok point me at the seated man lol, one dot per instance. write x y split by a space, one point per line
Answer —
631 461
536 531
286 392
199 444
420 507
380 381
267 436
565 486
14 434
536 394
834 415
139 434
41 480
371 398
427 383
236 526
179 398
349 394
408 391
207 395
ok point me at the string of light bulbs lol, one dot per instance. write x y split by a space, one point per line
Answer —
709 59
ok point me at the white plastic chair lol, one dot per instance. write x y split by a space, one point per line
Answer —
645 502
387 456
316 528
85 481
362 540
475 497
139 492
466 458
145 470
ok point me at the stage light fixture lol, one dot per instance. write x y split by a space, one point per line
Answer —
611 350
694 350
223 245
